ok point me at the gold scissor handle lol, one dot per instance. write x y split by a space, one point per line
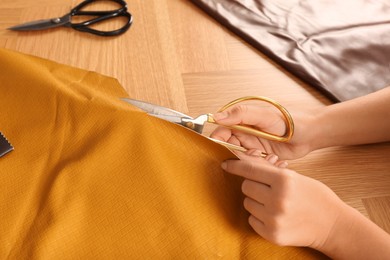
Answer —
250 130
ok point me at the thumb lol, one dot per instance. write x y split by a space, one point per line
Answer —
245 115
259 117
238 114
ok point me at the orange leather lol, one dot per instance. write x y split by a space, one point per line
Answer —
93 178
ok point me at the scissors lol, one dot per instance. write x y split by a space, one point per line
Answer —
66 20
197 124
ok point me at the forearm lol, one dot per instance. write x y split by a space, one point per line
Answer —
359 121
356 237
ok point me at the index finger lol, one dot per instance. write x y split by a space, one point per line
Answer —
259 170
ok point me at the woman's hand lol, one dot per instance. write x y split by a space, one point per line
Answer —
266 120
290 209
286 208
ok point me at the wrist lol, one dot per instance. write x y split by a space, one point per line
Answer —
337 238
320 129
353 236
306 131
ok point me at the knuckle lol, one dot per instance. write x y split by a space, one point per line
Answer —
286 179
250 167
239 110
281 206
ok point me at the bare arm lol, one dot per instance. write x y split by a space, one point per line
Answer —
355 237
359 121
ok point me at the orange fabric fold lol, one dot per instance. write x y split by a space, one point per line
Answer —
94 178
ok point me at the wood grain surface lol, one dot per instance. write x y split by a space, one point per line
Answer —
177 56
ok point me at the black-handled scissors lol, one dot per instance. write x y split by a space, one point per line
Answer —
84 26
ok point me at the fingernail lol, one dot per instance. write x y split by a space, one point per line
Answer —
273 158
220 116
224 165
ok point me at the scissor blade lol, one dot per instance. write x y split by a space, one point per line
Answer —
169 115
42 24
155 109
179 118
173 119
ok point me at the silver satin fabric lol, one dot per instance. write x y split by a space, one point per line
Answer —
339 47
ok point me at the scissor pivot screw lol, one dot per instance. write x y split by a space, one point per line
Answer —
190 125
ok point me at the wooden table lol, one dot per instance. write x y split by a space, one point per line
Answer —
177 56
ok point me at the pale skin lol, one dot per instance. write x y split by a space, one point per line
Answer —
290 209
